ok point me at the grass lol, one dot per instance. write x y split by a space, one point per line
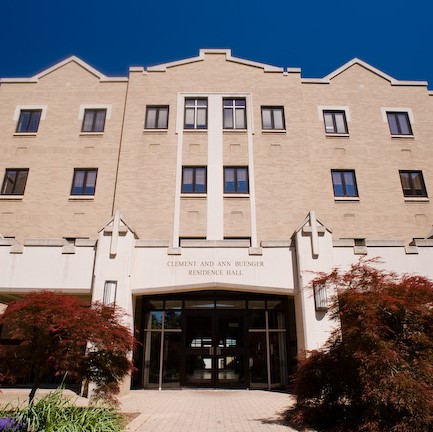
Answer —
53 413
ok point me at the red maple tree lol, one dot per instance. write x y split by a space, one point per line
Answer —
61 334
375 372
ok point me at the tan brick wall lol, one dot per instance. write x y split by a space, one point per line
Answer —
51 156
292 168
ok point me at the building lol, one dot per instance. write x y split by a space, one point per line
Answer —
201 195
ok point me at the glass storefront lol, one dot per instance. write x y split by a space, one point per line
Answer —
215 339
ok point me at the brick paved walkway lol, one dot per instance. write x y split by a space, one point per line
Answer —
207 410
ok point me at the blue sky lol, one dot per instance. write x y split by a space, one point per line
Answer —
318 36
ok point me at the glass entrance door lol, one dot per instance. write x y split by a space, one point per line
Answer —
214 348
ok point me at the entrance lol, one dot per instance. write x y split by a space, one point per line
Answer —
218 339
214 348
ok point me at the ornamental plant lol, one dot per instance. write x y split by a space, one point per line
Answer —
61 334
375 373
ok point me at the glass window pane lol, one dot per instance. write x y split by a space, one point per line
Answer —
163 118
257 361
349 181
200 180
240 102
329 122
154 356
189 102
278 354
90 183
88 120
9 182
256 319
151 118
276 319
278 119
201 118
23 121
172 359
266 119
338 184
392 120
202 102
189 118
240 119
173 319
78 184
187 180
242 180
256 304
199 304
403 121
340 123
99 121
20 182
34 121
228 118
230 304
229 180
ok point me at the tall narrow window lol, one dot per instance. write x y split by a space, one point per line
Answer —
84 182
195 113
335 122
344 183
29 121
193 180
273 118
234 113
320 297
15 181
412 183
110 289
94 120
156 117
235 180
399 123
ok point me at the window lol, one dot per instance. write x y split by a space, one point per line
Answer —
195 113
412 183
235 180
156 117
14 182
335 122
84 182
344 183
194 180
399 123
273 118
94 120
109 297
234 113
320 297
29 121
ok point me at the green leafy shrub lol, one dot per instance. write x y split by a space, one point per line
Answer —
53 413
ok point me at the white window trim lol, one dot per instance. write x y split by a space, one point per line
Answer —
94 106
321 108
409 112
19 108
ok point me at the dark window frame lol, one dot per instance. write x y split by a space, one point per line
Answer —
397 115
413 192
236 169
158 109
345 193
272 109
84 185
235 109
93 128
333 114
25 127
194 182
196 108
16 183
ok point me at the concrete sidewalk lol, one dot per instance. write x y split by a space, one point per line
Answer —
207 410
190 410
